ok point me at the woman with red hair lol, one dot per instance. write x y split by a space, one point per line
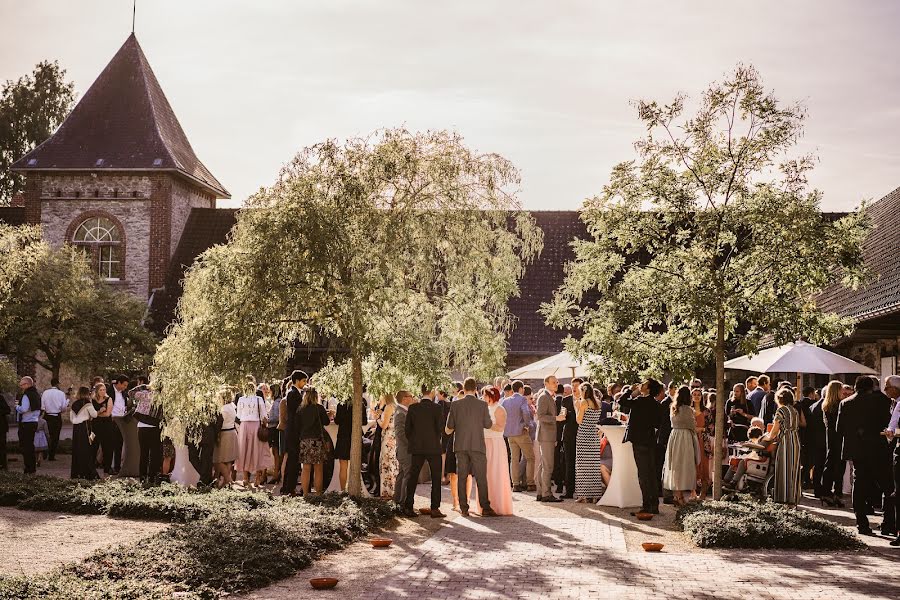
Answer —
499 486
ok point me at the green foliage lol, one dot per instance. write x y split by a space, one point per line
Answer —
68 316
225 541
19 251
746 523
8 377
400 249
335 378
711 239
30 110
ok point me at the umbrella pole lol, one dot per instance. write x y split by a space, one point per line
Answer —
799 386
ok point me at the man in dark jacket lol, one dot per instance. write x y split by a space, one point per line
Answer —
643 420
861 419
291 433
816 439
569 435
424 426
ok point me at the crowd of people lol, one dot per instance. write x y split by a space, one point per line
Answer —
490 442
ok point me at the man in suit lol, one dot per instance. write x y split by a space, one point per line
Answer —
569 435
547 418
468 419
404 458
817 439
54 404
861 420
757 393
643 420
289 409
892 390
424 426
804 407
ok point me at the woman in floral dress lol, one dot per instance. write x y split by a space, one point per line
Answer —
705 422
390 468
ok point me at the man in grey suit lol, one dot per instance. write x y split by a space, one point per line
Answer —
404 458
468 418
546 437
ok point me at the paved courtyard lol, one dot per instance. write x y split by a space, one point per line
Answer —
578 551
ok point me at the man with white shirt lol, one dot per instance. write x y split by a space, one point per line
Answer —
54 403
117 391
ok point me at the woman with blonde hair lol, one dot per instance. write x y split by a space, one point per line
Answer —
253 452
682 450
833 473
390 468
226 451
312 418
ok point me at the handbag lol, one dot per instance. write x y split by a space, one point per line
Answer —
262 434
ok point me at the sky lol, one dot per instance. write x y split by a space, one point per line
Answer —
548 85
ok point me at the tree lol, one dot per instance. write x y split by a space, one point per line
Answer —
68 316
19 250
400 249
710 241
30 110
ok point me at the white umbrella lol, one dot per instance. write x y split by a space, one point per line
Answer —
798 357
562 365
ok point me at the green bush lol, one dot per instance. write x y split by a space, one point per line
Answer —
224 541
747 523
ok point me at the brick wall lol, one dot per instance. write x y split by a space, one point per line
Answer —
184 198
160 231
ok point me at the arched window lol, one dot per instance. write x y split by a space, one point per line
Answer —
102 242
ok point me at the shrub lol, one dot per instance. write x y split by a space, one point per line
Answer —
746 523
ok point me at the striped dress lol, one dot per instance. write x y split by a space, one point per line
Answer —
588 481
787 457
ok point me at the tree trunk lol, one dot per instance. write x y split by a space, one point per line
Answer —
55 370
720 407
354 474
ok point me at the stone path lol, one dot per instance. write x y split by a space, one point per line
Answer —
568 551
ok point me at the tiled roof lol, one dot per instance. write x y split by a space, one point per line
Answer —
12 215
207 227
123 122
881 252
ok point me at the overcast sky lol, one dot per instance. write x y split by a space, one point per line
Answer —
546 84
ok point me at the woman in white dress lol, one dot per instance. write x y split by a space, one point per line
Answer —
226 451
683 449
499 485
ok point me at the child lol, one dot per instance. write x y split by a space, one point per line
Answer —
41 437
738 466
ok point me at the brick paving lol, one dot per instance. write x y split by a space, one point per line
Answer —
554 553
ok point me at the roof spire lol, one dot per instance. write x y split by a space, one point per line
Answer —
133 13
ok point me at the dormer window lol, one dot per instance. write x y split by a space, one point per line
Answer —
101 241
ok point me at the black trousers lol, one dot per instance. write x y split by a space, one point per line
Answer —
867 473
201 458
106 432
897 486
833 473
291 468
150 453
559 466
26 445
645 460
818 471
3 464
569 447
434 465
54 426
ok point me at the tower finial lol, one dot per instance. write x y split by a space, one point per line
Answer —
133 13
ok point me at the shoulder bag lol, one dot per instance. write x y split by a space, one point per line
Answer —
262 434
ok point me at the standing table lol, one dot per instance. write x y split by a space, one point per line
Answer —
623 489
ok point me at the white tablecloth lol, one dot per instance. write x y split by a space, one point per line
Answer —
623 489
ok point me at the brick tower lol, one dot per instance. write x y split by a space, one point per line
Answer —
119 177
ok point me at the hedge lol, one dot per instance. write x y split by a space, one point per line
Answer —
747 523
223 542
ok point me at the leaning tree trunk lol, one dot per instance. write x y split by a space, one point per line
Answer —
720 407
354 475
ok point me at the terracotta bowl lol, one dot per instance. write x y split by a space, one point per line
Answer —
641 516
424 511
652 546
323 583
381 542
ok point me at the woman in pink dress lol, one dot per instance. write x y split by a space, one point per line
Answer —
499 486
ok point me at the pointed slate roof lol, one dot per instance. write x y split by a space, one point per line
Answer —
123 122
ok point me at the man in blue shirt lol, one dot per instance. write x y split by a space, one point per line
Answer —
28 411
756 396
518 421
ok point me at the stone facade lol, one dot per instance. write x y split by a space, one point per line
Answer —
150 209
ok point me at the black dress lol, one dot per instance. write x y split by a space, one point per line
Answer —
343 418
84 455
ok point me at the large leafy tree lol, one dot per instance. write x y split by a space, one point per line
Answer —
31 108
61 314
711 240
401 249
